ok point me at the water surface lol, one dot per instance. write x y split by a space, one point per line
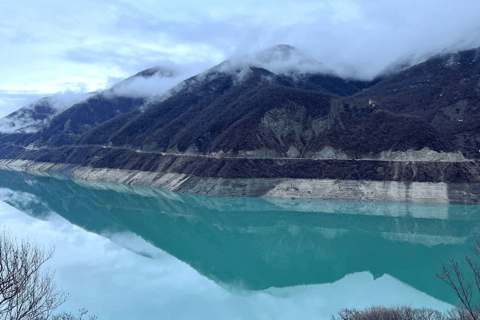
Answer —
131 253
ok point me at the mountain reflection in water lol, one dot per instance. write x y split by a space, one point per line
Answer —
259 243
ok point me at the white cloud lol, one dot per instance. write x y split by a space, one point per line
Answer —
144 87
12 102
66 99
50 46
386 32
166 77
281 59
25 119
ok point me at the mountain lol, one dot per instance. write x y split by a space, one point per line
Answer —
66 127
222 108
58 120
278 115
21 124
90 120
443 92
29 119
211 114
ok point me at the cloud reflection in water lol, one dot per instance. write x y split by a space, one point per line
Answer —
113 282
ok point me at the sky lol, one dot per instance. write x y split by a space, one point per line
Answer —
53 46
103 274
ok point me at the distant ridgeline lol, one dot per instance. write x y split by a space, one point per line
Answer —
263 126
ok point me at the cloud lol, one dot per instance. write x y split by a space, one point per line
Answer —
37 115
66 99
144 87
165 78
11 102
280 59
55 46
360 39
383 33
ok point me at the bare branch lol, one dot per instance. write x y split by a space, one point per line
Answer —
25 293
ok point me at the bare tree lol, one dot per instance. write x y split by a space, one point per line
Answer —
72 316
391 313
465 285
25 292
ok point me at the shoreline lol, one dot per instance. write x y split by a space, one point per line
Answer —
280 188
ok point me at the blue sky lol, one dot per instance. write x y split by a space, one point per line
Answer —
55 46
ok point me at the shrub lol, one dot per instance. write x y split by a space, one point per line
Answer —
393 313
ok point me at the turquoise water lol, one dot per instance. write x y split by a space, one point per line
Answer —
254 258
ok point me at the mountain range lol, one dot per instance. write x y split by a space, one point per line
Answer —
277 114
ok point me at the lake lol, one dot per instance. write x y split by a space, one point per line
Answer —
126 252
